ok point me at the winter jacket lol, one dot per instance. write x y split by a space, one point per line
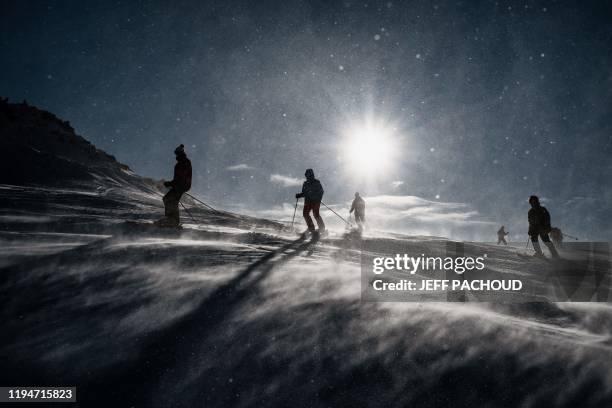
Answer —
312 191
182 174
539 220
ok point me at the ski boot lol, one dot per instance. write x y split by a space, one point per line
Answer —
306 234
538 250
167 222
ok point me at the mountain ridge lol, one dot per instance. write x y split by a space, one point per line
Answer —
38 148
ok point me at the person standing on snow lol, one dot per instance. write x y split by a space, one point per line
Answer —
180 184
359 207
312 191
539 225
501 235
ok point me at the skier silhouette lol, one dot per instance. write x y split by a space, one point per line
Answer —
312 191
539 225
180 184
501 235
359 207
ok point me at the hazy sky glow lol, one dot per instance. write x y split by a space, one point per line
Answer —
488 102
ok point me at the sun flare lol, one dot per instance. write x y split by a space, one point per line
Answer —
369 149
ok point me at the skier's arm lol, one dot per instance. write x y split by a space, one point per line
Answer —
180 175
547 226
318 189
352 207
300 195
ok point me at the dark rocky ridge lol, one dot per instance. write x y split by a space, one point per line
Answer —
38 148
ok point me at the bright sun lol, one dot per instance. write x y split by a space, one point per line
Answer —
369 149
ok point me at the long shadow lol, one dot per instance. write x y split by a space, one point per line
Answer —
135 382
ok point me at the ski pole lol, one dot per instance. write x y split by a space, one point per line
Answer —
187 211
527 244
201 202
570 236
339 216
294 211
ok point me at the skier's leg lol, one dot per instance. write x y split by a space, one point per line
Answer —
549 245
317 216
536 245
504 241
359 220
167 199
171 203
306 214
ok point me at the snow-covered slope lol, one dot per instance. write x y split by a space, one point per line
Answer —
238 311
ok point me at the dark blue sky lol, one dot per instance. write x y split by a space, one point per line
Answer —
490 101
